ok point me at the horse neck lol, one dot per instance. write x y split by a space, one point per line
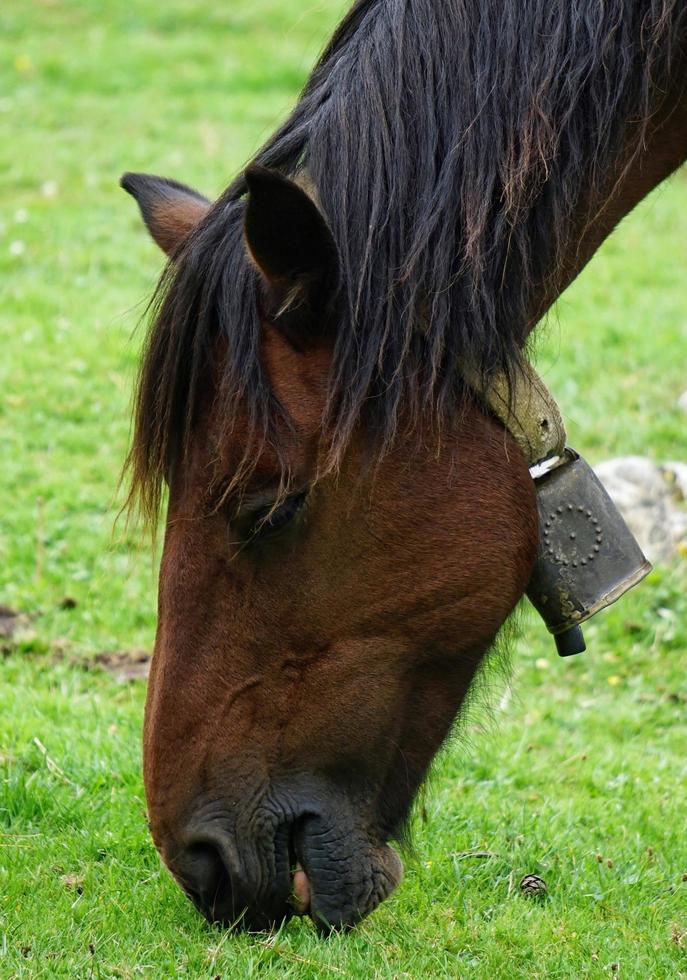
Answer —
635 173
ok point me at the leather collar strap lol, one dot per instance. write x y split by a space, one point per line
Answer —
531 414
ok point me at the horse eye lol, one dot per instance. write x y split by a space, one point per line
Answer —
266 521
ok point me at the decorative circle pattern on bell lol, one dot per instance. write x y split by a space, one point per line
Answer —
572 535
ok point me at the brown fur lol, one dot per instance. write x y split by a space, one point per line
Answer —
344 649
301 685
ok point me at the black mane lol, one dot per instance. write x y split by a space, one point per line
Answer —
451 143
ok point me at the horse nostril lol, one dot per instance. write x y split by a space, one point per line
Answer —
207 882
245 884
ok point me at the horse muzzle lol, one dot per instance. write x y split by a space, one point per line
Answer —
318 862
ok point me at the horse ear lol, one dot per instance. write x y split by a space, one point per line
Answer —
170 209
290 242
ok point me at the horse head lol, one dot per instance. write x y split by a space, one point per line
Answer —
319 625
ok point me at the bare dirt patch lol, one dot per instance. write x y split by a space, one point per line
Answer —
123 665
11 622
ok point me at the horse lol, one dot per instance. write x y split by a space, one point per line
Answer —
348 527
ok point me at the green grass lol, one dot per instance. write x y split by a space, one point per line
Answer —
578 773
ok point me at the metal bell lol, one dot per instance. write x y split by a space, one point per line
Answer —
587 555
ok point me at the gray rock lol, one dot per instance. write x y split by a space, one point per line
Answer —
651 500
676 474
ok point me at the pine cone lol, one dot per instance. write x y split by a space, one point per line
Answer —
532 886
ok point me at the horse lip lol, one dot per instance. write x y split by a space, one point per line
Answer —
384 862
300 904
300 891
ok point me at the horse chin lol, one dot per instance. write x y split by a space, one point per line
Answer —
340 881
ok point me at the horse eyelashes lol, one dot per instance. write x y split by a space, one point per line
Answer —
268 520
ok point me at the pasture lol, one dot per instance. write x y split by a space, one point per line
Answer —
573 770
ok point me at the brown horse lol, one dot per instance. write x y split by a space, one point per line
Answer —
347 527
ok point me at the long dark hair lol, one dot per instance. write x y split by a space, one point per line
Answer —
452 144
